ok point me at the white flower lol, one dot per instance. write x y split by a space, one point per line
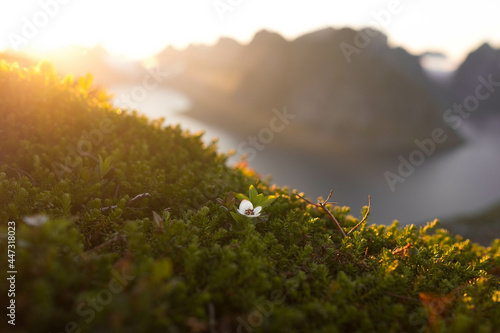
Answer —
36 220
246 209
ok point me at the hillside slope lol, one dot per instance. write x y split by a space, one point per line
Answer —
117 229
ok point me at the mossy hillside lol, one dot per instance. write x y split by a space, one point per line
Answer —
104 262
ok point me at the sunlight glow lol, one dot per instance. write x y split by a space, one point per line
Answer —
139 29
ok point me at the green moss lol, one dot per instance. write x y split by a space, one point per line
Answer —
105 262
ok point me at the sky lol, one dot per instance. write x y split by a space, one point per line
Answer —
139 29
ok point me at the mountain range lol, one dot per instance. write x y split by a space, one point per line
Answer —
380 100
376 99
485 62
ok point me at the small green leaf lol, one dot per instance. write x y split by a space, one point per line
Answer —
252 193
161 270
258 199
230 199
237 217
268 200
104 166
66 203
242 196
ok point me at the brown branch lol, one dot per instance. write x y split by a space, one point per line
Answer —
19 172
103 245
319 202
334 220
309 202
322 205
328 198
139 196
364 218
109 207
402 297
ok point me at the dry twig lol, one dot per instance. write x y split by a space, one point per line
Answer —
364 217
19 172
103 245
323 205
139 196
131 201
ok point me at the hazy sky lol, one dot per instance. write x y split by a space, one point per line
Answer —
142 28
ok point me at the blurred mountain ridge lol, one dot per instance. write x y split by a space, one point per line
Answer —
381 100
485 62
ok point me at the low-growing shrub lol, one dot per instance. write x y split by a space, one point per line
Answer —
118 230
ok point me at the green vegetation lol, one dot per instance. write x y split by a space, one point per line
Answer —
136 240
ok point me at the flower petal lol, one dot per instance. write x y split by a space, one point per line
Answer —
35 220
245 204
257 210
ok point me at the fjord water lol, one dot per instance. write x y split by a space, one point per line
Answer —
459 181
